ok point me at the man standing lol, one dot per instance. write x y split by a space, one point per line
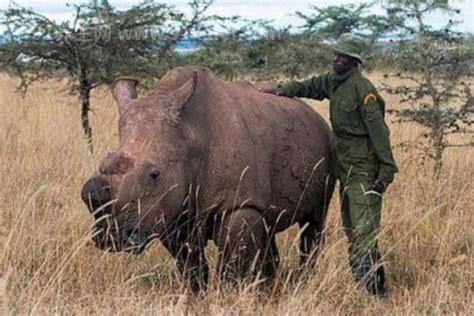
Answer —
365 164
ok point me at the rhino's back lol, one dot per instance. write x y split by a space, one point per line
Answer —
294 148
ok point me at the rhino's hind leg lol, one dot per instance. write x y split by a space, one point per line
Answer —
246 249
312 236
310 241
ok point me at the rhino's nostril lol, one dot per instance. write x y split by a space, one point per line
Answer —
96 192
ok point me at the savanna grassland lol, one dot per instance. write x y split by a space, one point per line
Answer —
48 264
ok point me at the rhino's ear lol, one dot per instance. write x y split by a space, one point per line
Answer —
124 90
177 99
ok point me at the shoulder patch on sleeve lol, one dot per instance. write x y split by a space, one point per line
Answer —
368 98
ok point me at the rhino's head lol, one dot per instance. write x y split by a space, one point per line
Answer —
142 187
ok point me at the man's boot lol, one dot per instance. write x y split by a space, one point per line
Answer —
368 270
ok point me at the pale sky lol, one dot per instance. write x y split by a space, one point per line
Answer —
281 12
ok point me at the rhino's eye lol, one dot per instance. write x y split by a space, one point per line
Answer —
154 175
150 174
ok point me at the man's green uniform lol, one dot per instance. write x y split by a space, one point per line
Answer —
364 155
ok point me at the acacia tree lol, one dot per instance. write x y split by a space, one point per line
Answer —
435 66
225 45
253 47
281 51
332 21
99 44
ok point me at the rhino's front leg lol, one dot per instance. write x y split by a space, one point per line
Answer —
246 247
190 258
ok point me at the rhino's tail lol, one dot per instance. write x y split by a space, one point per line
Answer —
332 176
333 164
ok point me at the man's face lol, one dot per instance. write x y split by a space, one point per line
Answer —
342 63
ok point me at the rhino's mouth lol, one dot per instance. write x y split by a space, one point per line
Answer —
136 242
109 236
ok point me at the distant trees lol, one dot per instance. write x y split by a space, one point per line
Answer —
256 48
332 21
435 65
282 52
261 51
226 49
99 44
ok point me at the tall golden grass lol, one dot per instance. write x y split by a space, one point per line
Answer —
48 265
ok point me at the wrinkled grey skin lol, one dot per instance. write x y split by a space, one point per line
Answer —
203 159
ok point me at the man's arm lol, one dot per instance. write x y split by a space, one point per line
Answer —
373 116
314 88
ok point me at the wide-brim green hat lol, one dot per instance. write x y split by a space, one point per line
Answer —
350 45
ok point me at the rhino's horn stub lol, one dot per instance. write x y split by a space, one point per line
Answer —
124 90
115 163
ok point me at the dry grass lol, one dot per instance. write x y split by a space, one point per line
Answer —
47 264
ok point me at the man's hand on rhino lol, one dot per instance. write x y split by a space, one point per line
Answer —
270 87
380 186
274 90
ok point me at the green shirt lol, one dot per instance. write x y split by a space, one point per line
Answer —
357 118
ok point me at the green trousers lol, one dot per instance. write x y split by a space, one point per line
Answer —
361 209
361 213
